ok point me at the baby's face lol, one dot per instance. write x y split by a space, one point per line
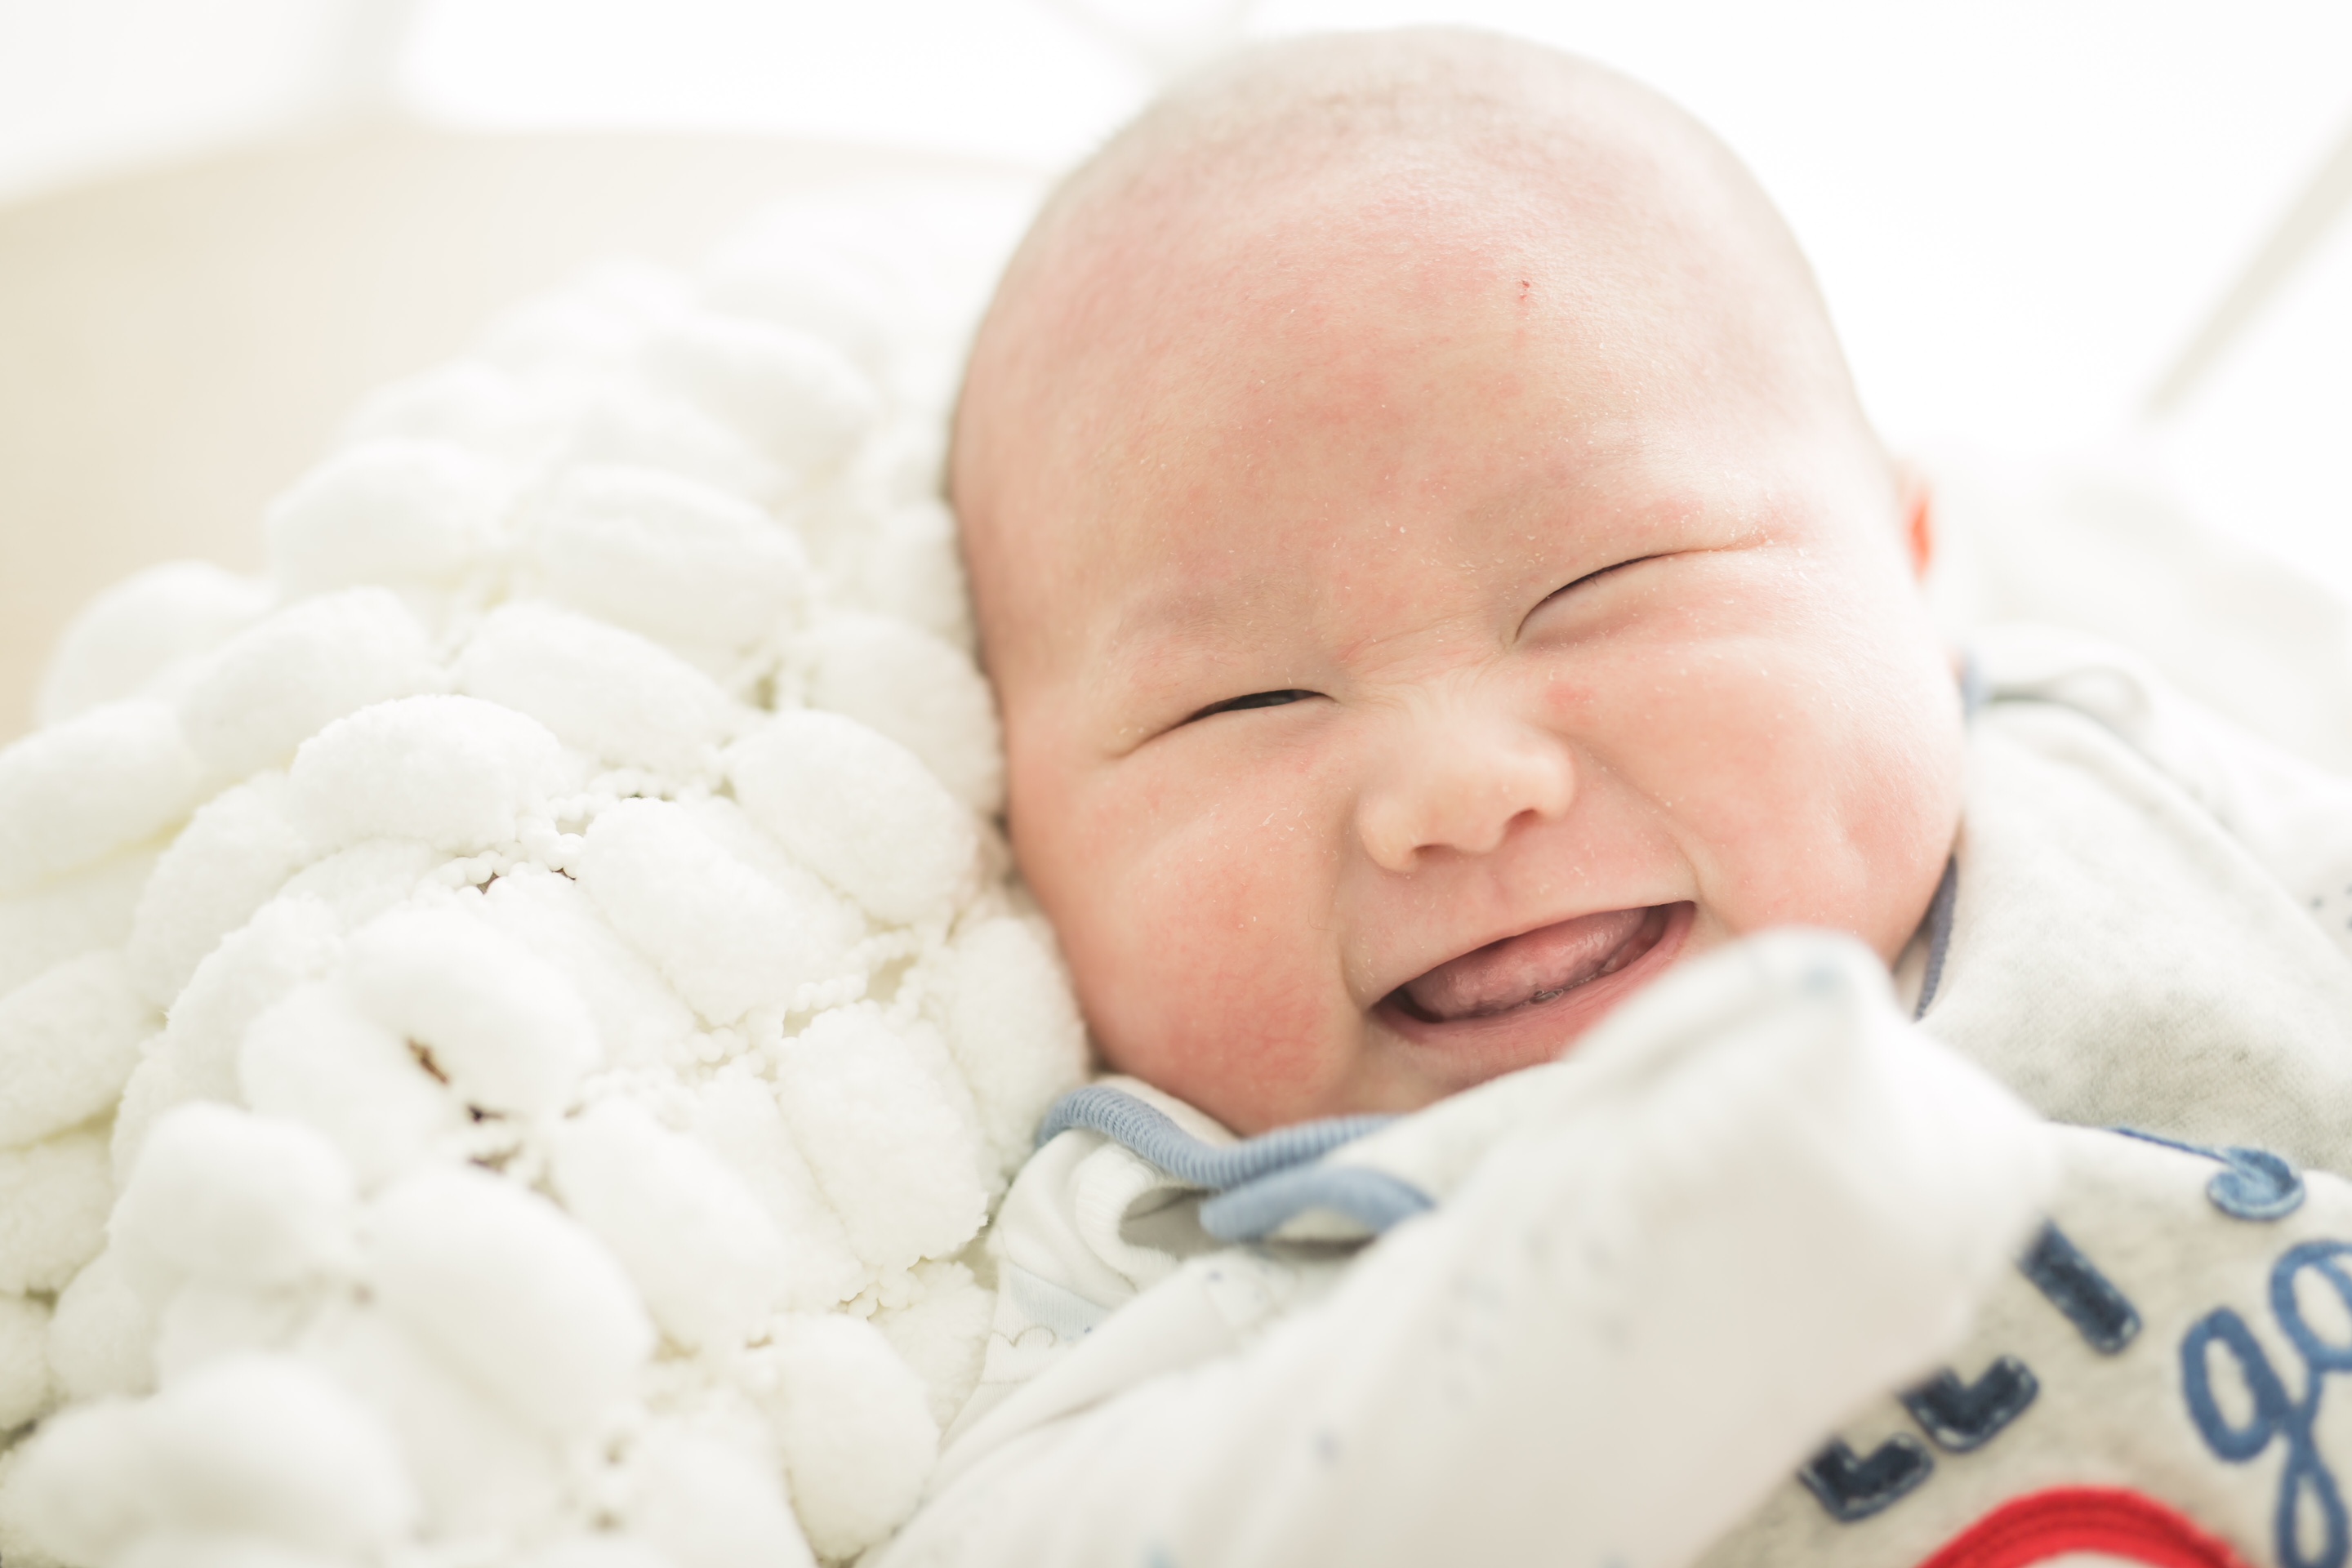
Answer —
1407 652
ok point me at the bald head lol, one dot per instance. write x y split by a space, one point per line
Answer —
1383 171
1416 509
1532 134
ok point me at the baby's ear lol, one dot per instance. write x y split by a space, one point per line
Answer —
1916 498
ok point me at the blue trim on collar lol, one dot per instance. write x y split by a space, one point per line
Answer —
1975 691
1262 1182
1939 927
1147 1131
1255 1210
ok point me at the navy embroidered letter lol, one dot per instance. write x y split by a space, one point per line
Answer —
1853 1489
2105 1316
1964 1416
2305 1479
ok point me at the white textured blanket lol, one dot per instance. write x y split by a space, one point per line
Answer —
508 1027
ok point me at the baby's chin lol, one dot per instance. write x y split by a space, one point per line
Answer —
1452 1030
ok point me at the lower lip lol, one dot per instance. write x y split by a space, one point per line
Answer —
1539 1031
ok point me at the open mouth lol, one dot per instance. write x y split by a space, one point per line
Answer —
1535 968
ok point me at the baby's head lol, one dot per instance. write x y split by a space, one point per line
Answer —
1436 576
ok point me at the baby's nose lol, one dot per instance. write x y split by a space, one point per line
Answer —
1461 785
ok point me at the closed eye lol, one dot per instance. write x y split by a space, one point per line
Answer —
1589 578
1255 700
1596 577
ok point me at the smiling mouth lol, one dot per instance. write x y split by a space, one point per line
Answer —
1533 968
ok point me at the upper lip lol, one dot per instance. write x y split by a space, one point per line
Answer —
1401 981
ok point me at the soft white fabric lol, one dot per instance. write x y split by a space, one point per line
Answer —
2151 928
1756 1197
533 987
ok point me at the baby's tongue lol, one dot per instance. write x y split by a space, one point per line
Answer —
1535 966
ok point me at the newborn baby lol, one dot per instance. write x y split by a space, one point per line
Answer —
1438 582
1436 578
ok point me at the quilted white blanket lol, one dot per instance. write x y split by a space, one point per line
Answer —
510 1026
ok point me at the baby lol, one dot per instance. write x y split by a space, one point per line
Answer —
1438 579
1436 576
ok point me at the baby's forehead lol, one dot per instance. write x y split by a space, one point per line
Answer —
1205 299
1299 280
1272 536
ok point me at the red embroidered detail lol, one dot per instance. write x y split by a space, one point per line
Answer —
2044 1525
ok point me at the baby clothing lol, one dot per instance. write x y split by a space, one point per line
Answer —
1656 1273
2152 1384
1627 1293
2153 926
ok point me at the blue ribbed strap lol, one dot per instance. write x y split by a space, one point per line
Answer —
1262 1182
1129 1121
1373 1199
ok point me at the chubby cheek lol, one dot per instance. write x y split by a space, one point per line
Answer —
1196 915
1807 756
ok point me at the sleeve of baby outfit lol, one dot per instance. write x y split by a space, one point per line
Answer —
2291 815
1758 1199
